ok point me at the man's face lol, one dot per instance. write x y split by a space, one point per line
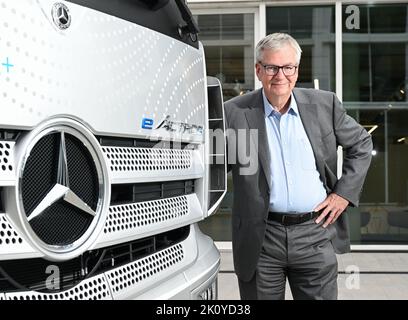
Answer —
279 85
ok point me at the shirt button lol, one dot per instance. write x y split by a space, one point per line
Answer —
287 163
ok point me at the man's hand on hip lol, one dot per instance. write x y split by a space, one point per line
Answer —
333 206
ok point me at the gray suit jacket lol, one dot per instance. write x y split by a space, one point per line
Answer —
327 125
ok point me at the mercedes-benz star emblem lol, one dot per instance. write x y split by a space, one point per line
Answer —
62 191
61 15
61 188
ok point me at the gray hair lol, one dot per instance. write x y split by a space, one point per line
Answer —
276 41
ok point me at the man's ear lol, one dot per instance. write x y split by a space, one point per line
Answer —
258 70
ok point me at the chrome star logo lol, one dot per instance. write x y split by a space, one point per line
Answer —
61 15
61 188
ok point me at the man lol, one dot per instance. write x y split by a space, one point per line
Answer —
289 215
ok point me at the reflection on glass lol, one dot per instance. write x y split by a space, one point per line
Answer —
383 213
374 55
381 72
228 41
313 28
398 156
374 187
221 27
397 210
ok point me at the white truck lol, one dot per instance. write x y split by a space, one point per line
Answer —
106 160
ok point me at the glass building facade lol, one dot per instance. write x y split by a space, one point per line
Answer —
359 51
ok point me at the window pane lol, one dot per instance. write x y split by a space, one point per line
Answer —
210 27
397 211
232 26
388 67
300 22
216 27
313 28
388 18
374 187
374 72
356 79
375 54
383 213
381 71
228 41
398 156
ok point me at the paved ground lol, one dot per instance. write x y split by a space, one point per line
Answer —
382 276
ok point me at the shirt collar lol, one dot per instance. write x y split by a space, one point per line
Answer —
268 109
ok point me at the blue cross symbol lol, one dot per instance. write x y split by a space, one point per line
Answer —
7 64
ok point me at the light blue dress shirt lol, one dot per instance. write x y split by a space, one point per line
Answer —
296 186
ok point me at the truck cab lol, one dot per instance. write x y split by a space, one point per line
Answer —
107 159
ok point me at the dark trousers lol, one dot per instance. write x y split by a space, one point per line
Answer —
303 254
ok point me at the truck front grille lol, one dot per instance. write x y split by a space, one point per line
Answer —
32 274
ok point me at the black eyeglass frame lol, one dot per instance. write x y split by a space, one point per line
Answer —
265 66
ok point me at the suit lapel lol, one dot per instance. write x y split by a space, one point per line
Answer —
309 115
255 116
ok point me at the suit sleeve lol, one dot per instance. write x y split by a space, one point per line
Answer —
357 146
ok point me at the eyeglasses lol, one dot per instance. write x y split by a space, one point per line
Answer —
272 70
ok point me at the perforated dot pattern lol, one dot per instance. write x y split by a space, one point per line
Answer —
136 215
115 57
6 164
95 288
140 270
8 236
147 159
